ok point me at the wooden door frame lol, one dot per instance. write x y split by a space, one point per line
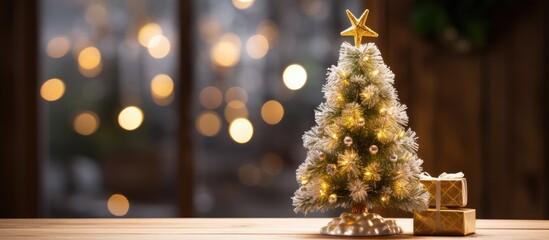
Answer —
185 170
19 165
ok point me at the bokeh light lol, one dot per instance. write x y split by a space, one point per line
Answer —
236 93
236 104
96 13
163 101
210 97
272 112
147 32
86 123
268 29
58 47
118 205
52 89
130 118
316 9
162 86
91 72
294 76
89 58
226 51
272 164
243 4
257 46
235 109
79 41
208 123
210 28
249 175
241 130
159 46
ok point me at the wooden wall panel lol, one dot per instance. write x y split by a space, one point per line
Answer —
484 113
528 113
499 181
457 126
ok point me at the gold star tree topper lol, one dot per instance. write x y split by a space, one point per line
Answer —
358 28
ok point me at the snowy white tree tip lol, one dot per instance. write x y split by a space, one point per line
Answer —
361 224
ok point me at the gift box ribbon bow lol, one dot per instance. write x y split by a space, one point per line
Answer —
442 176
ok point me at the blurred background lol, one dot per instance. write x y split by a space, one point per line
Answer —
165 108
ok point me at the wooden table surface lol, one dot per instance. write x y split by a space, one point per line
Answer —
232 228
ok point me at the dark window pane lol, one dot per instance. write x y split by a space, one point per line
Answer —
108 77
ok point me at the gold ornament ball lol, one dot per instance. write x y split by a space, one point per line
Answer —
373 149
321 155
332 199
330 169
348 141
320 131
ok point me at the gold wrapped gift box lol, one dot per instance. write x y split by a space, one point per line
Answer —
459 221
453 192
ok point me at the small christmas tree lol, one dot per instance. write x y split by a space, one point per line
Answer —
360 154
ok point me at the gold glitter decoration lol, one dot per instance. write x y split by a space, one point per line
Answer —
361 224
358 28
453 192
458 222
